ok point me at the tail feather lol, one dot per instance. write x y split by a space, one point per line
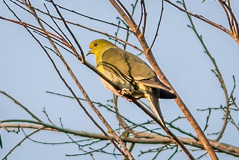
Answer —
153 99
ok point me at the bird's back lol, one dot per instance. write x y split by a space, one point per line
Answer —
124 68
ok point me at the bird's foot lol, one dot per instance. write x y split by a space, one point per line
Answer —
125 94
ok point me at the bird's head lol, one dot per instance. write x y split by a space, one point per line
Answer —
99 46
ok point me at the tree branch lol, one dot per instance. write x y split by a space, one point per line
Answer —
22 106
26 137
217 73
220 27
149 55
142 138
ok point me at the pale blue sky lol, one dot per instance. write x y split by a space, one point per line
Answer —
26 73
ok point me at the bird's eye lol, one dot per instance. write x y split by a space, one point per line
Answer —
95 44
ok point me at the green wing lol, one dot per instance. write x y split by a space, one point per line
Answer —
130 68
126 65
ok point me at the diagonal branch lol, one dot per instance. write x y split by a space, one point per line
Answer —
217 73
172 136
231 17
149 55
22 106
126 154
26 137
145 18
234 35
159 22
49 36
73 23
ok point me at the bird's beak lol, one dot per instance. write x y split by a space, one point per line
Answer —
89 52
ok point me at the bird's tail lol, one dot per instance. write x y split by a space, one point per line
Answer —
155 103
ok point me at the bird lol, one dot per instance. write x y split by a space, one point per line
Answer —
132 75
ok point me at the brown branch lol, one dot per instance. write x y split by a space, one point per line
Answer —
217 72
62 41
92 18
225 10
43 31
149 55
76 24
22 106
145 18
231 19
126 153
71 33
220 27
125 10
141 16
48 35
140 138
172 136
34 28
159 22
96 111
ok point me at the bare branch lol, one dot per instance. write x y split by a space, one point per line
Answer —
217 72
146 138
76 24
26 137
118 139
220 27
22 106
71 33
149 55
145 18
92 18
159 22
165 129
126 154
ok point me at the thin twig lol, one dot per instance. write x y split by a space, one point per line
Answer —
79 25
47 116
128 29
71 33
207 120
159 22
182 131
80 148
30 12
22 106
92 18
26 137
220 27
145 18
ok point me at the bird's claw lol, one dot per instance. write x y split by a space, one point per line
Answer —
124 93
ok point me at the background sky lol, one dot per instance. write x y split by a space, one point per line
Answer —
26 73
